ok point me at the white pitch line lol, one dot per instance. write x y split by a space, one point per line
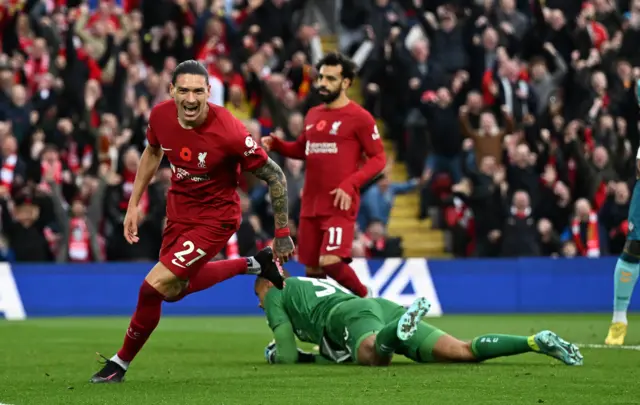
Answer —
599 346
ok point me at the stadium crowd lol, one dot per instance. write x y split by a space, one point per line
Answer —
520 117
516 119
78 80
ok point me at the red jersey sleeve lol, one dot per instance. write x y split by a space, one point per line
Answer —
242 145
151 135
369 138
294 149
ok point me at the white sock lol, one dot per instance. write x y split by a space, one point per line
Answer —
120 362
620 316
253 267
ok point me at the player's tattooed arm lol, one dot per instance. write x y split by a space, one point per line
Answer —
271 173
274 176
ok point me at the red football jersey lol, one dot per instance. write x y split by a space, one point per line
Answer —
206 163
333 143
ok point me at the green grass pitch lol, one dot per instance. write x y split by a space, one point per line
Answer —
220 361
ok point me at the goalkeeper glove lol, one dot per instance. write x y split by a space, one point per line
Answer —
270 352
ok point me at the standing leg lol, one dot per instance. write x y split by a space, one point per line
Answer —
335 267
335 254
624 281
159 284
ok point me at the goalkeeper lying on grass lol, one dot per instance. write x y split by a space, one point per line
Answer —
368 331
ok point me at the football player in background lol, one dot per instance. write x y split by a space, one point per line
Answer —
336 135
628 265
368 331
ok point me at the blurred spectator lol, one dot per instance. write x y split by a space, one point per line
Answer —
377 244
378 200
488 137
613 215
519 235
23 223
78 237
550 244
586 232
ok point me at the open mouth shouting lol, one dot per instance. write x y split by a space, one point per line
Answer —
190 111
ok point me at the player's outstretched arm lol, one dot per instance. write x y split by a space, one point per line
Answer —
274 176
149 162
293 150
285 350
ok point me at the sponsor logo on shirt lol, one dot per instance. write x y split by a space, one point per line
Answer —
376 134
182 174
321 148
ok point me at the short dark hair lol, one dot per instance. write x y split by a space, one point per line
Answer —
190 67
338 59
261 280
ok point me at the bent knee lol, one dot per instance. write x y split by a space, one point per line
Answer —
328 260
368 355
165 282
465 352
632 247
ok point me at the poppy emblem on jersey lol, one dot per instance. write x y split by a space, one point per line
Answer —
201 158
321 125
185 154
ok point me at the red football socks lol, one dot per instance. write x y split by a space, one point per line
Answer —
211 274
344 274
143 322
216 272
147 315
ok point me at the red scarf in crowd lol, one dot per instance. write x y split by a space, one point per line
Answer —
73 158
521 214
464 218
57 170
597 33
50 236
370 245
592 248
7 171
305 86
128 178
34 69
79 241
232 250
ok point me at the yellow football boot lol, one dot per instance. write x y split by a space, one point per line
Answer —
617 333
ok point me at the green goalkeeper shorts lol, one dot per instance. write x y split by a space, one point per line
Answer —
353 321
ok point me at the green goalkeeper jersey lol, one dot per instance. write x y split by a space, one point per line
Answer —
305 303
